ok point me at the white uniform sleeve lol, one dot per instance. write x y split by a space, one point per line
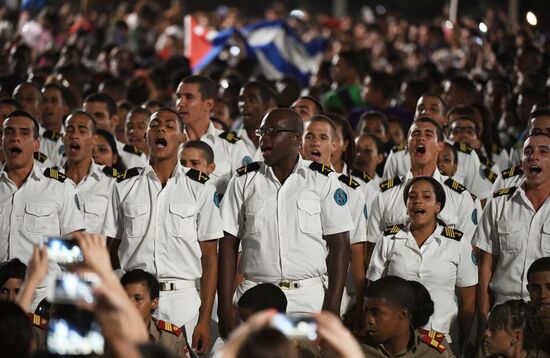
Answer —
485 236
209 221
379 258
232 208
469 212
390 168
357 209
467 272
335 213
239 155
376 222
473 178
70 216
113 225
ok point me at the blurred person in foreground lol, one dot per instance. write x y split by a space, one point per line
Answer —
538 285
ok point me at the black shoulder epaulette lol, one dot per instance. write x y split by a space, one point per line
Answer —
197 175
41 157
127 174
463 147
398 148
112 172
456 186
474 197
512 172
489 174
252 167
496 149
392 230
321 168
229 136
132 149
54 174
168 327
504 191
485 161
51 135
38 321
361 175
390 183
348 181
451 233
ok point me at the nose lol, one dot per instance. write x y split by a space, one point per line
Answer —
12 296
487 333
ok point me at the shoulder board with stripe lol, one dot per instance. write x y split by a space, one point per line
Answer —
127 174
512 172
361 175
490 175
321 168
229 136
452 233
197 175
474 197
456 186
38 321
485 161
132 149
54 174
496 149
392 230
51 135
398 148
169 327
463 147
390 183
348 181
440 337
252 167
41 157
112 172
504 191
432 342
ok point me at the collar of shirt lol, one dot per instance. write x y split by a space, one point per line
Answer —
93 172
519 194
406 234
178 171
35 173
212 132
414 339
301 168
154 333
436 175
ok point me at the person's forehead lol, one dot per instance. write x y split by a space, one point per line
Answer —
97 106
51 91
250 91
537 140
304 102
139 117
164 116
27 90
18 122
364 141
137 287
318 127
271 120
194 153
188 87
6 108
447 151
541 277
463 123
540 121
13 282
377 302
429 100
421 185
423 126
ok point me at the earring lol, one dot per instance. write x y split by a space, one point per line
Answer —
513 342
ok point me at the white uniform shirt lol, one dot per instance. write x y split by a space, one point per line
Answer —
131 157
370 188
357 208
160 228
510 177
282 226
228 156
93 194
388 208
441 264
255 153
468 171
52 145
512 230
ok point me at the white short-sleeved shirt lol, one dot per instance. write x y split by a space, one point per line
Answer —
282 225
468 171
440 264
460 211
255 153
160 228
370 188
131 156
357 208
512 230
93 194
51 144
41 207
510 177
230 154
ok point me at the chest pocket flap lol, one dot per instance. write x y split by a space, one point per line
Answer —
133 211
182 210
39 210
510 236
311 207
95 208
309 217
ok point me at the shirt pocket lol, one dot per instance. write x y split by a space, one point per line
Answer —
545 238
135 219
510 236
182 220
309 216
253 216
40 219
94 213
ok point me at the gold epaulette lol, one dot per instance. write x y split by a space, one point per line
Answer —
496 149
456 186
54 174
452 233
361 175
321 168
169 327
392 230
504 191
197 175
390 183
38 321
41 157
463 147
398 148
252 167
348 181
490 175
127 174
132 149
229 136
51 135
432 342
112 172
512 172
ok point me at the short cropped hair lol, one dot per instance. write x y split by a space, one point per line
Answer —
80 112
438 129
12 102
178 117
318 106
324 119
13 268
207 88
539 265
266 94
395 290
262 297
103 98
206 150
438 189
138 276
21 113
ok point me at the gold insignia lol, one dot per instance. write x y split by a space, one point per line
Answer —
127 174
431 340
398 148
252 167
229 136
361 175
392 230
54 174
452 233
321 168
490 175
390 183
456 186
504 191
348 181
197 175
51 135
132 149
41 157
511 172
496 149
463 147
168 327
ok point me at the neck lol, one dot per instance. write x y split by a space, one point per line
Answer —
283 169
196 130
423 170
338 166
421 233
537 194
76 171
19 175
517 352
398 342
164 168
371 172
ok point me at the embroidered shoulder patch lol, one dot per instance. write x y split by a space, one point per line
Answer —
452 233
38 321
348 181
361 175
197 175
321 168
41 157
490 175
112 172
390 183
54 174
512 172
456 186
398 148
169 327
51 135
504 191
132 149
392 230
127 174
229 136
252 167
463 147
432 342
486 161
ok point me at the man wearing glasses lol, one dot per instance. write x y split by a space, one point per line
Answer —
292 219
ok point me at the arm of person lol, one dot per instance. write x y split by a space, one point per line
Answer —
487 264
36 272
227 267
337 264
209 263
112 246
336 338
358 272
466 311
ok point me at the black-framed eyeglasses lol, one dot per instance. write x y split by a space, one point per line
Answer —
260 132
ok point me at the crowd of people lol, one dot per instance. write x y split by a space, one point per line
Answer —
398 203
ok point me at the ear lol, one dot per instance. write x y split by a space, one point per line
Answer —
440 146
403 313
94 139
35 145
114 120
437 208
379 159
209 104
154 304
211 168
332 146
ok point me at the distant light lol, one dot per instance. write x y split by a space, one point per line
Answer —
531 18
380 9
224 84
234 50
297 13
449 24
482 27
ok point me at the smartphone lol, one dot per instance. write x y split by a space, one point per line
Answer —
73 331
72 288
63 250
297 328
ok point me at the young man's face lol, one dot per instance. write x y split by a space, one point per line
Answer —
305 108
18 142
536 160
79 139
190 104
432 107
251 106
318 142
423 143
164 135
464 131
446 161
100 112
382 319
10 289
539 290
136 128
53 108
140 297
29 97
375 127
194 158
367 157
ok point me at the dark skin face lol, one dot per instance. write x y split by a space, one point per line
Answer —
383 320
29 97
279 146
18 142
10 289
251 106
79 139
164 135
304 107
140 297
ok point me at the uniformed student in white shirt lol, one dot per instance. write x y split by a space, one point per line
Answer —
135 127
92 183
34 203
195 99
514 229
369 154
104 110
164 219
424 249
293 219
447 160
52 111
318 143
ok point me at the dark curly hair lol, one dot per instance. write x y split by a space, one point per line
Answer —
424 306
